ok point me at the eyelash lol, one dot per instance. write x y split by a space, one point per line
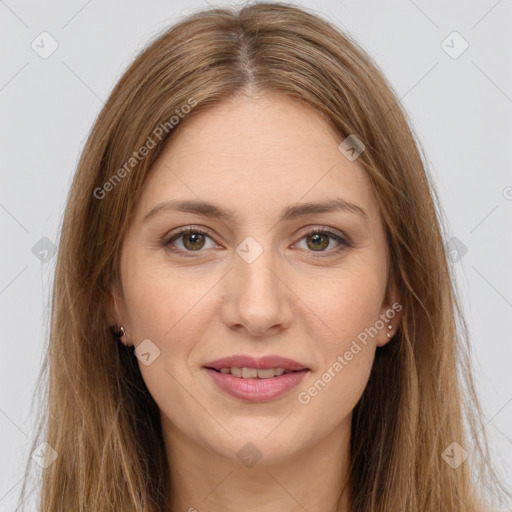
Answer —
343 242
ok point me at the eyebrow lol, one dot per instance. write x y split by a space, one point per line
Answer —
225 214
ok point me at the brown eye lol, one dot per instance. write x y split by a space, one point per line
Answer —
193 241
188 241
318 241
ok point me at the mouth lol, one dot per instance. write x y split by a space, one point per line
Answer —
247 364
256 380
253 373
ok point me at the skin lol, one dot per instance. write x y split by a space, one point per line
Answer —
255 155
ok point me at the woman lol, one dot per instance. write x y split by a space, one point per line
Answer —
252 306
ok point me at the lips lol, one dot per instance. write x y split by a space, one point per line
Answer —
265 362
256 379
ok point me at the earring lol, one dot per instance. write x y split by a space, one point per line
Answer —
118 334
388 334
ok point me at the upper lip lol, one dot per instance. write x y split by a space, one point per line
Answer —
265 362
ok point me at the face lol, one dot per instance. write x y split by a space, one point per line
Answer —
258 275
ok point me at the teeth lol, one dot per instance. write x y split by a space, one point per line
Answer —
254 373
237 372
269 372
248 373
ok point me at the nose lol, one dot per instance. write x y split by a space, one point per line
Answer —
256 297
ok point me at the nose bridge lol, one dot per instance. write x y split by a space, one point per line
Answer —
257 299
258 277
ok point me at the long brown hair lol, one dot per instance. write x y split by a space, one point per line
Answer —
100 417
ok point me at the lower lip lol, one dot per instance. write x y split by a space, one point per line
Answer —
257 390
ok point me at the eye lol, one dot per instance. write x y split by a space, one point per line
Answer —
318 240
189 240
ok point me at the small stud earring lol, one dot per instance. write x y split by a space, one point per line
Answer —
388 334
118 334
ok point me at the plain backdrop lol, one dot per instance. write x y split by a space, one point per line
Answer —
456 88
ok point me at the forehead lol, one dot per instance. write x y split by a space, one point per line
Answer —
256 155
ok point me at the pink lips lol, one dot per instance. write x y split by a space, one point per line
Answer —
256 390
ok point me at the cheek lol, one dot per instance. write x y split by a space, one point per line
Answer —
344 304
161 301
173 311
346 351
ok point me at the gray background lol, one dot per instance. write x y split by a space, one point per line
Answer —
461 110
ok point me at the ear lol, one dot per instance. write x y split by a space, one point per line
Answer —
116 311
390 315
